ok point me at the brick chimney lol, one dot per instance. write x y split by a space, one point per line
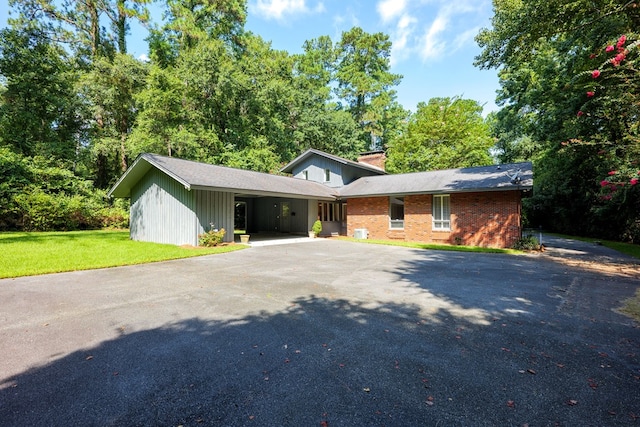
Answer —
373 158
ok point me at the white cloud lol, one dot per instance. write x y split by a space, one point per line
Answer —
463 39
450 30
143 57
389 9
278 9
401 39
432 45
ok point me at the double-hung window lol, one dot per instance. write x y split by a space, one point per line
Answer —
441 212
396 212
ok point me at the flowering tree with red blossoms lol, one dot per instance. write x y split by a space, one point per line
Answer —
610 120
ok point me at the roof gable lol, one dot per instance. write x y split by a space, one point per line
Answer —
313 152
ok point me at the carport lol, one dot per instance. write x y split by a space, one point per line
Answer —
173 200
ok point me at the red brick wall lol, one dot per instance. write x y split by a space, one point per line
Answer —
478 219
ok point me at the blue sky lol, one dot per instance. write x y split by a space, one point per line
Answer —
433 40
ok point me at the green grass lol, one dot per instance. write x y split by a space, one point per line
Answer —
28 254
435 246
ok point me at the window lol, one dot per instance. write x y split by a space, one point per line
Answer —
305 175
396 212
328 211
441 213
327 175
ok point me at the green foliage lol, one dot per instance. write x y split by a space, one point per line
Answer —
213 237
38 106
575 127
444 133
527 243
317 227
364 81
109 90
38 196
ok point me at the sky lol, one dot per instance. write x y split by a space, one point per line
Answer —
433 40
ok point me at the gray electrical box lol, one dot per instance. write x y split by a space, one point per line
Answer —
360 233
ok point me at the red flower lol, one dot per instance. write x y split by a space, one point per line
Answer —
595 74
604 183
580 114
633 181
621 41
590 94
609 48
613 173
592 56
618 59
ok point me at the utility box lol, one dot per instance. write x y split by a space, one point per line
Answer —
360 233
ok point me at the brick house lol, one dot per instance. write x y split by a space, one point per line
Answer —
478 206
173 200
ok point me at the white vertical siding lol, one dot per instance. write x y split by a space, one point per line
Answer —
215 207
162 211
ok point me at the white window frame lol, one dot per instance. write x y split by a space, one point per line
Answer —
327 175
438 213
396 223
305 174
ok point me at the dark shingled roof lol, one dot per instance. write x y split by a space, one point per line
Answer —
196 175
515 176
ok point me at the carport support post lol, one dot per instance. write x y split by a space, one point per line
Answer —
540 239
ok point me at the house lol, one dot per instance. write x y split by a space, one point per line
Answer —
173 200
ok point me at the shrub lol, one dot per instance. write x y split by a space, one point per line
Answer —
114 217
211 238
527 243
317 227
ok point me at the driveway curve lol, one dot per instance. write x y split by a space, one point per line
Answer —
328 333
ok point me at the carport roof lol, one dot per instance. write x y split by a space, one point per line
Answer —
196 175
514 176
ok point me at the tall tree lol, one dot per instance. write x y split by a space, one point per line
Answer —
545 52
443 133
191 21
364 80
109 90
80 23
39 105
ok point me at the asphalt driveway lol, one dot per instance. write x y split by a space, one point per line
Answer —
328 333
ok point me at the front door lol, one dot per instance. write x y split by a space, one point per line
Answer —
285 217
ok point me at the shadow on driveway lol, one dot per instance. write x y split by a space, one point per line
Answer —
412 338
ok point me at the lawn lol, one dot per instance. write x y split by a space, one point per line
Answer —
28 254
434 246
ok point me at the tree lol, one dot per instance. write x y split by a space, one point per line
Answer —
168 122
79 23
39 105
192 21
110 89
364 81
545 52
444 133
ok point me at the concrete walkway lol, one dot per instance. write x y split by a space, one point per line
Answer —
326 332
